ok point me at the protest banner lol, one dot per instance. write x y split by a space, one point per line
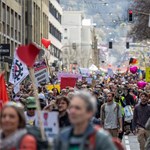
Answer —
41 74
147 74
68 81
84 72
89 80
50 123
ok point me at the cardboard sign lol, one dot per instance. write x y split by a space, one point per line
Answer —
71 82
148 74
50 123
50 87
41 74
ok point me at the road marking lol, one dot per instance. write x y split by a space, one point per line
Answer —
126 137
127 143
128 147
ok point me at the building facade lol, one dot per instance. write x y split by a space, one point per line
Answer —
78 39
11 23
26 21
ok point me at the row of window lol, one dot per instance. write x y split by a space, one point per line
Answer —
54 12
55 51
55 32
10 31
10 17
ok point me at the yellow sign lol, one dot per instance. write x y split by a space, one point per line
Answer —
148 74
50 87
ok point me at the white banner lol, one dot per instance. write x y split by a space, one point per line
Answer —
41 74
19 72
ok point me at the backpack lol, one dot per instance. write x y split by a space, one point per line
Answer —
116 141
35 132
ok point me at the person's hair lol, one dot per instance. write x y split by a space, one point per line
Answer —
111 94
56 89
144 93
20 113
63 98
39 89
88 99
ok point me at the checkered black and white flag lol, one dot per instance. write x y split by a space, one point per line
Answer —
19 72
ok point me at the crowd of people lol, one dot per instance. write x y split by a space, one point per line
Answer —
91 116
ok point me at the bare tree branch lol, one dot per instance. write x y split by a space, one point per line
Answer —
140 31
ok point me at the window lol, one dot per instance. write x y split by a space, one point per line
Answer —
8 30
54 12
55 51
12 18
12 32
19 24
16 25
19 37
3 12
8 15
4 29
8 41
55 32
15 34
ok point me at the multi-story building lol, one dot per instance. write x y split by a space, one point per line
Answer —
11 23
44 21
78 39
72 31
55 30
26 21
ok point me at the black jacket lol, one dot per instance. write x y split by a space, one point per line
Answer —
64 121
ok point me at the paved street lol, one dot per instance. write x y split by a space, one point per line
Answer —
131 142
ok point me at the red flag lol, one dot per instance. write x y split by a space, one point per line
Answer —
3 91
28 54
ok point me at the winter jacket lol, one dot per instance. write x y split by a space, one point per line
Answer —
103 140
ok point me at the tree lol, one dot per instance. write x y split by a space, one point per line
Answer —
140 30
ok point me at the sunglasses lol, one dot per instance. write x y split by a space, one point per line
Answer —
31 108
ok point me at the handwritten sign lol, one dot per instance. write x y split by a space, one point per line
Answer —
50 123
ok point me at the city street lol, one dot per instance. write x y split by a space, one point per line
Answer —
74 74
131 142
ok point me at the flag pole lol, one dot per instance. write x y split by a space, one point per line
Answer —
31 70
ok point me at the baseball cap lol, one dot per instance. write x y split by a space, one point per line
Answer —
31 102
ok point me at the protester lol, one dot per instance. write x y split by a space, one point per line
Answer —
141 116
13 134
30 113
81 110
120 100
147 146
111 115
63 104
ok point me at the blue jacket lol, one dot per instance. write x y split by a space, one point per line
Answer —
103 140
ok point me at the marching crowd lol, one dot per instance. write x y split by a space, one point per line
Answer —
91 117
